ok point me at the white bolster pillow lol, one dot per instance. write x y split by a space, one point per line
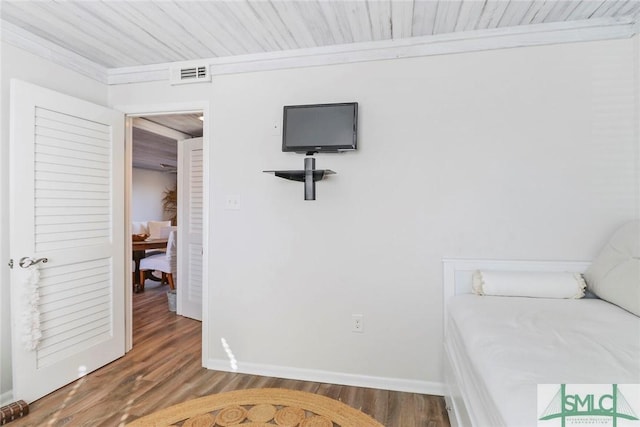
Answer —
529 284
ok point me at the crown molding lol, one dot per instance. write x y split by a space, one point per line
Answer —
471 41
43 48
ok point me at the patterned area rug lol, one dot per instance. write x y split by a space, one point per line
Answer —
261 407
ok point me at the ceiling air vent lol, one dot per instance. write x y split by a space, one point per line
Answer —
190 74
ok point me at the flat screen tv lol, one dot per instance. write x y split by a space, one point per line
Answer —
320 128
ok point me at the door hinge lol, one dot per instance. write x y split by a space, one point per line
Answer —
10 263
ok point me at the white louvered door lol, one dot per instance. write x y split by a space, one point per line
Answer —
67 195
190 179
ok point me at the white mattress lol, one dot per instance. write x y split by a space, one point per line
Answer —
505 346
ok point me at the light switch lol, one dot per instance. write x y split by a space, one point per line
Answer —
232 203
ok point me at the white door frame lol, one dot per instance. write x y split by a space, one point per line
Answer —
168 108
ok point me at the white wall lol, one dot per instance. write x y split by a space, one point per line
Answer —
522 153
147 192
509 154
16 63
636 40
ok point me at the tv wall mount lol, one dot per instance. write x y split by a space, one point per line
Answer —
309 176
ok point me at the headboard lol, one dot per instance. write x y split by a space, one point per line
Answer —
457 273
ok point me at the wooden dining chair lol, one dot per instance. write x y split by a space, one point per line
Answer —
164 262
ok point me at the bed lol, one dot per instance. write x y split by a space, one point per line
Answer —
499 348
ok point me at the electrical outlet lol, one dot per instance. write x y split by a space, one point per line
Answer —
357 323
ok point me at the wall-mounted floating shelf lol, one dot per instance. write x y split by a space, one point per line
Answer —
309 176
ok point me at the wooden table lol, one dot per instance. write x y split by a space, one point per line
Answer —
139 252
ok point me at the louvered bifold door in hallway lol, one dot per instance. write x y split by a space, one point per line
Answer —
190 227
67 219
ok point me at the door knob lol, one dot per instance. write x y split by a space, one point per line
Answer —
26 262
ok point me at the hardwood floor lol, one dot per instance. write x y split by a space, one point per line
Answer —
164 369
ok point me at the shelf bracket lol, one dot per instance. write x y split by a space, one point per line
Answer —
309 176
309 182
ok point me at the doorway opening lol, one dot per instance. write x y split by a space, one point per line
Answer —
165 184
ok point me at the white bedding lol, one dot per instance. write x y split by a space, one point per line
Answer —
511 344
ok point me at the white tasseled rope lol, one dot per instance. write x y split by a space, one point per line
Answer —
31 316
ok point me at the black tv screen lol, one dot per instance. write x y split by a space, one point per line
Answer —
320 127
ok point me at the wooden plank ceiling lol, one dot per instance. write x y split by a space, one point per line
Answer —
155 147
118 34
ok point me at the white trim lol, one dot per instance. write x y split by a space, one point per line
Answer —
43 48
177 108
128 252
6 398
636 78
144 110
471 41
207 214
315 375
